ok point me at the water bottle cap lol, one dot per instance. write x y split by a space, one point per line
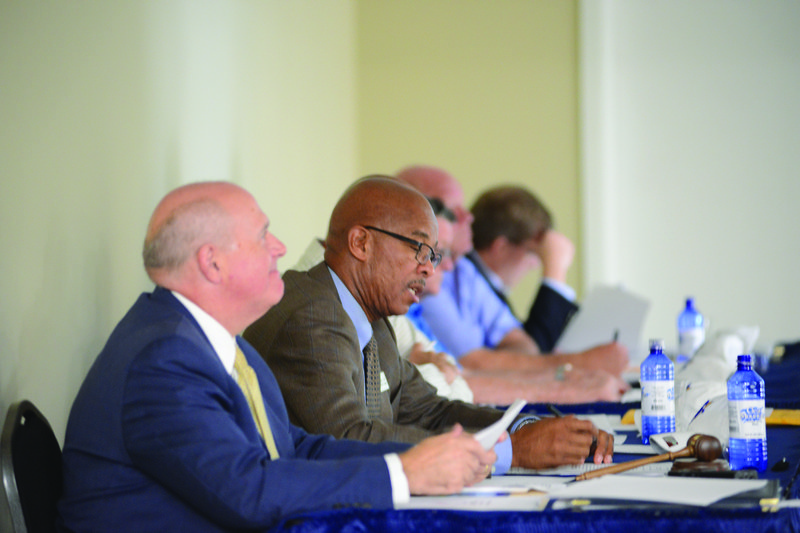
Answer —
689 302
743 359
657 344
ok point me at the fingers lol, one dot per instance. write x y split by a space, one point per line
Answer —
600 446
556 252
603 448
446 463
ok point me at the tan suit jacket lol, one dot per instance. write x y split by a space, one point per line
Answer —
311 345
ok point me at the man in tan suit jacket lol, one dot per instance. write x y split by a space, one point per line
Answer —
380 249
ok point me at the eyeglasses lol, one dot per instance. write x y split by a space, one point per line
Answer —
423 255
439 209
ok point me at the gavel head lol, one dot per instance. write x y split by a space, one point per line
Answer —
704 447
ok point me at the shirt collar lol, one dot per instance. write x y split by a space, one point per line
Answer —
221 340
491 276
353 310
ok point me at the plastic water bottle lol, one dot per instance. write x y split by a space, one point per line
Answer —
657 378
691 332
747 447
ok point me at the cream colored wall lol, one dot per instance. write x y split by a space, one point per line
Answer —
692 128
107 106
104 107
486 90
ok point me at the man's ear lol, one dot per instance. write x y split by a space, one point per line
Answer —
358 242
209 262
499 244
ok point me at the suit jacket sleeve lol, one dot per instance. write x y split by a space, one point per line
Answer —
548 317
312 347
186 425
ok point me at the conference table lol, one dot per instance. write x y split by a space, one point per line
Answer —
783 446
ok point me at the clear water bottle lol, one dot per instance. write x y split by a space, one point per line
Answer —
747 447
691 332
657 378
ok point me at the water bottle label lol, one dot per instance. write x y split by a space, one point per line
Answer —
689 341
658 398
746 419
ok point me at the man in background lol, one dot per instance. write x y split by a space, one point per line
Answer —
512 234
474 324
499 387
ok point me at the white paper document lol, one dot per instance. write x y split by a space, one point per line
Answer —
514 484
604 311
653 469
635 449
459 502
677 490
488 436
497 493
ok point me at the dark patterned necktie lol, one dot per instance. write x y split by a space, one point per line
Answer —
372 370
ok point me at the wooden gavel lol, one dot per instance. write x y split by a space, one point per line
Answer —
702 447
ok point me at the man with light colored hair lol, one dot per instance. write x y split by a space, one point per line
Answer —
477 327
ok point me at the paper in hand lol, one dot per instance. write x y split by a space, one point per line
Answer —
488 436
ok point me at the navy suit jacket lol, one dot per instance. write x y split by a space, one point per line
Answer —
160 438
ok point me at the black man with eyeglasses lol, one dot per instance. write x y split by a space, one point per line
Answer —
334 353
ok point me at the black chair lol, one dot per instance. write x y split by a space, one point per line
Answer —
30 463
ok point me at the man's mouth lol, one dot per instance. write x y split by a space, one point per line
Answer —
416 287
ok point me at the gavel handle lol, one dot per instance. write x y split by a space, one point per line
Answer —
622 467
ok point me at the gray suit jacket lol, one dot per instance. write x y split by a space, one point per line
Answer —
312 347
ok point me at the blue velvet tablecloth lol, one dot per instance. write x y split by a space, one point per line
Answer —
783 391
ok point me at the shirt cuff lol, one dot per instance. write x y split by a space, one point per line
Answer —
504 451
524 421
561 288
397 477
504 455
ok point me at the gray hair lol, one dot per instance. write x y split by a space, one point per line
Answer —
187 228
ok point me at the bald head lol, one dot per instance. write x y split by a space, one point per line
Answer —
185 219
210 243
376 232
435 182
376 200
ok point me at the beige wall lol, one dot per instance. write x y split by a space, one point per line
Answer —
107 106
486 90
104 107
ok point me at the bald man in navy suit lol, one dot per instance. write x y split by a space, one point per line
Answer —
161 436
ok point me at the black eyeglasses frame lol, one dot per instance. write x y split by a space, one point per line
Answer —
434 257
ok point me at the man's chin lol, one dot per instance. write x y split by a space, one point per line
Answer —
276 294
400 309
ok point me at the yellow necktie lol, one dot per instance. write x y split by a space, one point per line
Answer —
246 377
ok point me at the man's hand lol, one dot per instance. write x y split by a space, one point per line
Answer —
611 357
556 252
553 442
446 463
584 386
420 356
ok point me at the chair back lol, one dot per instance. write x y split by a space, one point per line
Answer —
30 463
